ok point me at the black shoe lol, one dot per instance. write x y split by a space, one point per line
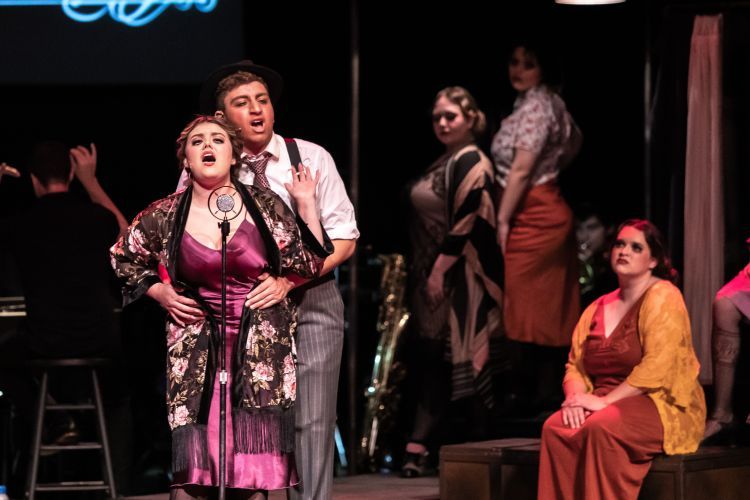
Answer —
416 465
725 436
62 434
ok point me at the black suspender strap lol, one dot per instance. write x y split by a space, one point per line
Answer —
293 150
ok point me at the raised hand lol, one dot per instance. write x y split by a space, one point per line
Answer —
83 160
302 187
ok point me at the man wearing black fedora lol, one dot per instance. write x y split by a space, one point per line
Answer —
244 93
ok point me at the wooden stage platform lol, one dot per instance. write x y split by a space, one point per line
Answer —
364 487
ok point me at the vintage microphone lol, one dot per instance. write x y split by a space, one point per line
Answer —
221 204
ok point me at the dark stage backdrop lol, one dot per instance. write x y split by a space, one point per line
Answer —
135 124
150 42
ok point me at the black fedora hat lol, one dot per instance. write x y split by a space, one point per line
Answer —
273 80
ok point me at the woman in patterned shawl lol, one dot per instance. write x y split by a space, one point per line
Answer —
172 253
631 382
455 271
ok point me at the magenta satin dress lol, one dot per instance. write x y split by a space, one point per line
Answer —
200 267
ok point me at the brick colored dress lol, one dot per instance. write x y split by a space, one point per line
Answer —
607 457
650 349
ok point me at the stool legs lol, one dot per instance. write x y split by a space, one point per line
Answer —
109 482
103 434
37 444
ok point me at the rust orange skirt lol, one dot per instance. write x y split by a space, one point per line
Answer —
606 458
542 301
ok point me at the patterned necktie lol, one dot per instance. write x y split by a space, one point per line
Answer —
257 165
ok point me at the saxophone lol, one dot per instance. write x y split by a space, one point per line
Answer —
380 394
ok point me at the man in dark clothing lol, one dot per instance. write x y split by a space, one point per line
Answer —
60 247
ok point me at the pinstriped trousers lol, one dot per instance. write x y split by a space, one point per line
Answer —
320 339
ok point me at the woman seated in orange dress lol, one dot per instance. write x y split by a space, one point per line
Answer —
631 383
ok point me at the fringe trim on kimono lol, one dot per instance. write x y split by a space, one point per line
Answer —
466 383
189 447
263 431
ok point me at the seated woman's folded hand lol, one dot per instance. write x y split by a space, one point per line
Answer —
573 416
587 401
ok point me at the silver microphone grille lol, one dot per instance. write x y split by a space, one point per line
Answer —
225 203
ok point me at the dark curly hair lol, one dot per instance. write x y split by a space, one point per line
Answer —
546 57
657 246
233 81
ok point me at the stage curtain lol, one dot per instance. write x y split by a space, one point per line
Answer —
704 199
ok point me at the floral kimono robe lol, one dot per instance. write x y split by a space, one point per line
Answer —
262 403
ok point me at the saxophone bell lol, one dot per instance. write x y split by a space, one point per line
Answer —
382 396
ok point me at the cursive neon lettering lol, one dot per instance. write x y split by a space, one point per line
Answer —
133 13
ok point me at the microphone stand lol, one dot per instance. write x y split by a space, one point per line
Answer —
224 203
224 226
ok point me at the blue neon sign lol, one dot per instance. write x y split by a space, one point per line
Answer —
133 13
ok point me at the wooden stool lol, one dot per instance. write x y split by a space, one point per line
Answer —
473 470
521 471
716 472
108 484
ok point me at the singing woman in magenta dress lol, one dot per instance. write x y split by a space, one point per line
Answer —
159 257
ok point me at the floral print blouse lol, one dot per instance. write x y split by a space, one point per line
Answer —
540 124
